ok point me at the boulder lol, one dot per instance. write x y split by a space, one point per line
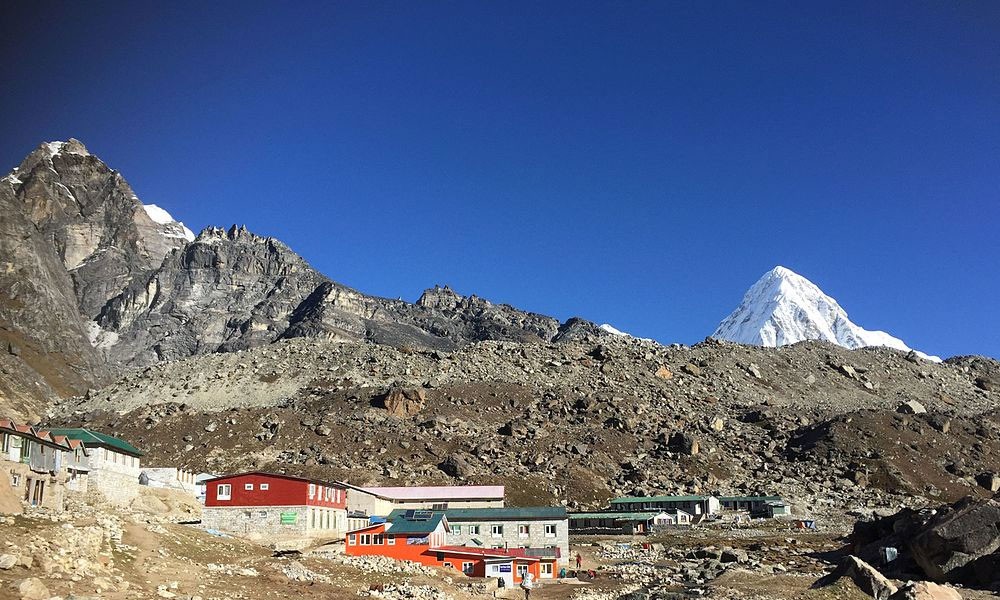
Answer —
911 407
404 402
7 561
989 481
925 590
956 546
868 580
691 369
457 465
664 373
32 588
683 443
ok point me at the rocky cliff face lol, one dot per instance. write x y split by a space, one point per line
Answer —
73 234
95 282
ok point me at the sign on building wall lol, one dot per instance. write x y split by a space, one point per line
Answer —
505 568
289 518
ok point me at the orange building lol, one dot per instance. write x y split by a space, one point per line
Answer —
420 536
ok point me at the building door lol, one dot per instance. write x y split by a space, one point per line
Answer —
547 570
503 570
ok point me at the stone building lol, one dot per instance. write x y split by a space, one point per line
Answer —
114 464
271 505
698 507
627 523
425 537
544 531
380 501
757 506
42 466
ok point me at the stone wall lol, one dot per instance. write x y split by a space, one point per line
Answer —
264 522
116 488
536 537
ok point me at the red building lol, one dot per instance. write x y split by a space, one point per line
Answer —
258 504
421 537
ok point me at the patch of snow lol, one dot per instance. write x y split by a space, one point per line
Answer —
158 215
612 330
13 179
784 308
101 338
55 147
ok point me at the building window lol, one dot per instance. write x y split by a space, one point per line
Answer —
439 506
522 570
4 443
366 539
391 540
456 530
350 540
467 568
265 486
379 539
523 530
474 529
15 480
248 487
550 530
496 530
447 564
547 569
224 491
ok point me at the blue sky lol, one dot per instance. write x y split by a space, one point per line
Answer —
640 164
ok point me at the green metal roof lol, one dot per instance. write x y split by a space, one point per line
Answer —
638 499
95 438
461 515
621 516
750 498
403 525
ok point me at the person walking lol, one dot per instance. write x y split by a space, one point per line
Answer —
526 584
579 561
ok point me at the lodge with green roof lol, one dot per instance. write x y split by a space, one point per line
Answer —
536 527
114 463
697 506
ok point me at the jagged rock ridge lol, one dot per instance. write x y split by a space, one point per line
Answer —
95 281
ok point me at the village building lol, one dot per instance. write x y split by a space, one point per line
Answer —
757 506
42 466
627 523
271 505
542 531
169 478
380 501
113 462
425 537
699 507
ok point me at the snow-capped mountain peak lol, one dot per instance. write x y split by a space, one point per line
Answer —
174 228
784 308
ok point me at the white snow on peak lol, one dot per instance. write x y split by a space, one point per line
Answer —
612 330
784 308
158 215
55 147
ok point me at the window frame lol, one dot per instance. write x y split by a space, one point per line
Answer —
496 530
523 530
228 495
265 487
247 487
468 567
553 527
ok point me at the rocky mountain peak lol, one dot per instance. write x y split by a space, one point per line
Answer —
441 298
783 307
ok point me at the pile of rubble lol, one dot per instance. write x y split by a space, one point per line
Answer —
404 591
383 564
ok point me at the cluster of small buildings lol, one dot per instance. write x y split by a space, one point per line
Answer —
645 514
44 465
466 528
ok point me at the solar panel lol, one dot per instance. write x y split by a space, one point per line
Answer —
422 515
408 515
